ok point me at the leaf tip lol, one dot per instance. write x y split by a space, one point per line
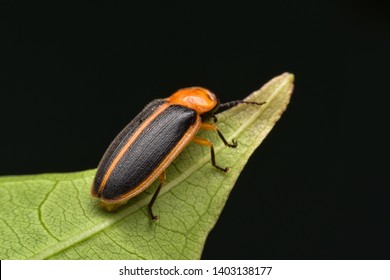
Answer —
289 76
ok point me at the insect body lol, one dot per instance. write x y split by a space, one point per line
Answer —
151 141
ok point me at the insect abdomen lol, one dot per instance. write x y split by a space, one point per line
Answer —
137 152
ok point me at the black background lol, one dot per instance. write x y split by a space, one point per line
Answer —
73 75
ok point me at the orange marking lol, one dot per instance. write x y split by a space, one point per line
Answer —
188 136
131 141
199 99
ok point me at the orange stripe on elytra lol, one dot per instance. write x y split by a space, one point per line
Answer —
166 161
131 141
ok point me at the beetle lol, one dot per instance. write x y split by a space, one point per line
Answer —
143 150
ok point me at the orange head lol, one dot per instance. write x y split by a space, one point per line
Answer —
199 99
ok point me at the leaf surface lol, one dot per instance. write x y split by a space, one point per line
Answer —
53 216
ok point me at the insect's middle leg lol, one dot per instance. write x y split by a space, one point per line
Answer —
210 126
205 142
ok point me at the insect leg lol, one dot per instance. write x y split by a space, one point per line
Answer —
211 126
205 142
162 179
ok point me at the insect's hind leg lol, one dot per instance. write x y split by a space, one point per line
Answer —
163 179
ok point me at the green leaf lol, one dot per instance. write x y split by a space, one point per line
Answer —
53 216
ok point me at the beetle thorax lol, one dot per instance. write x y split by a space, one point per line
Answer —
197 98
